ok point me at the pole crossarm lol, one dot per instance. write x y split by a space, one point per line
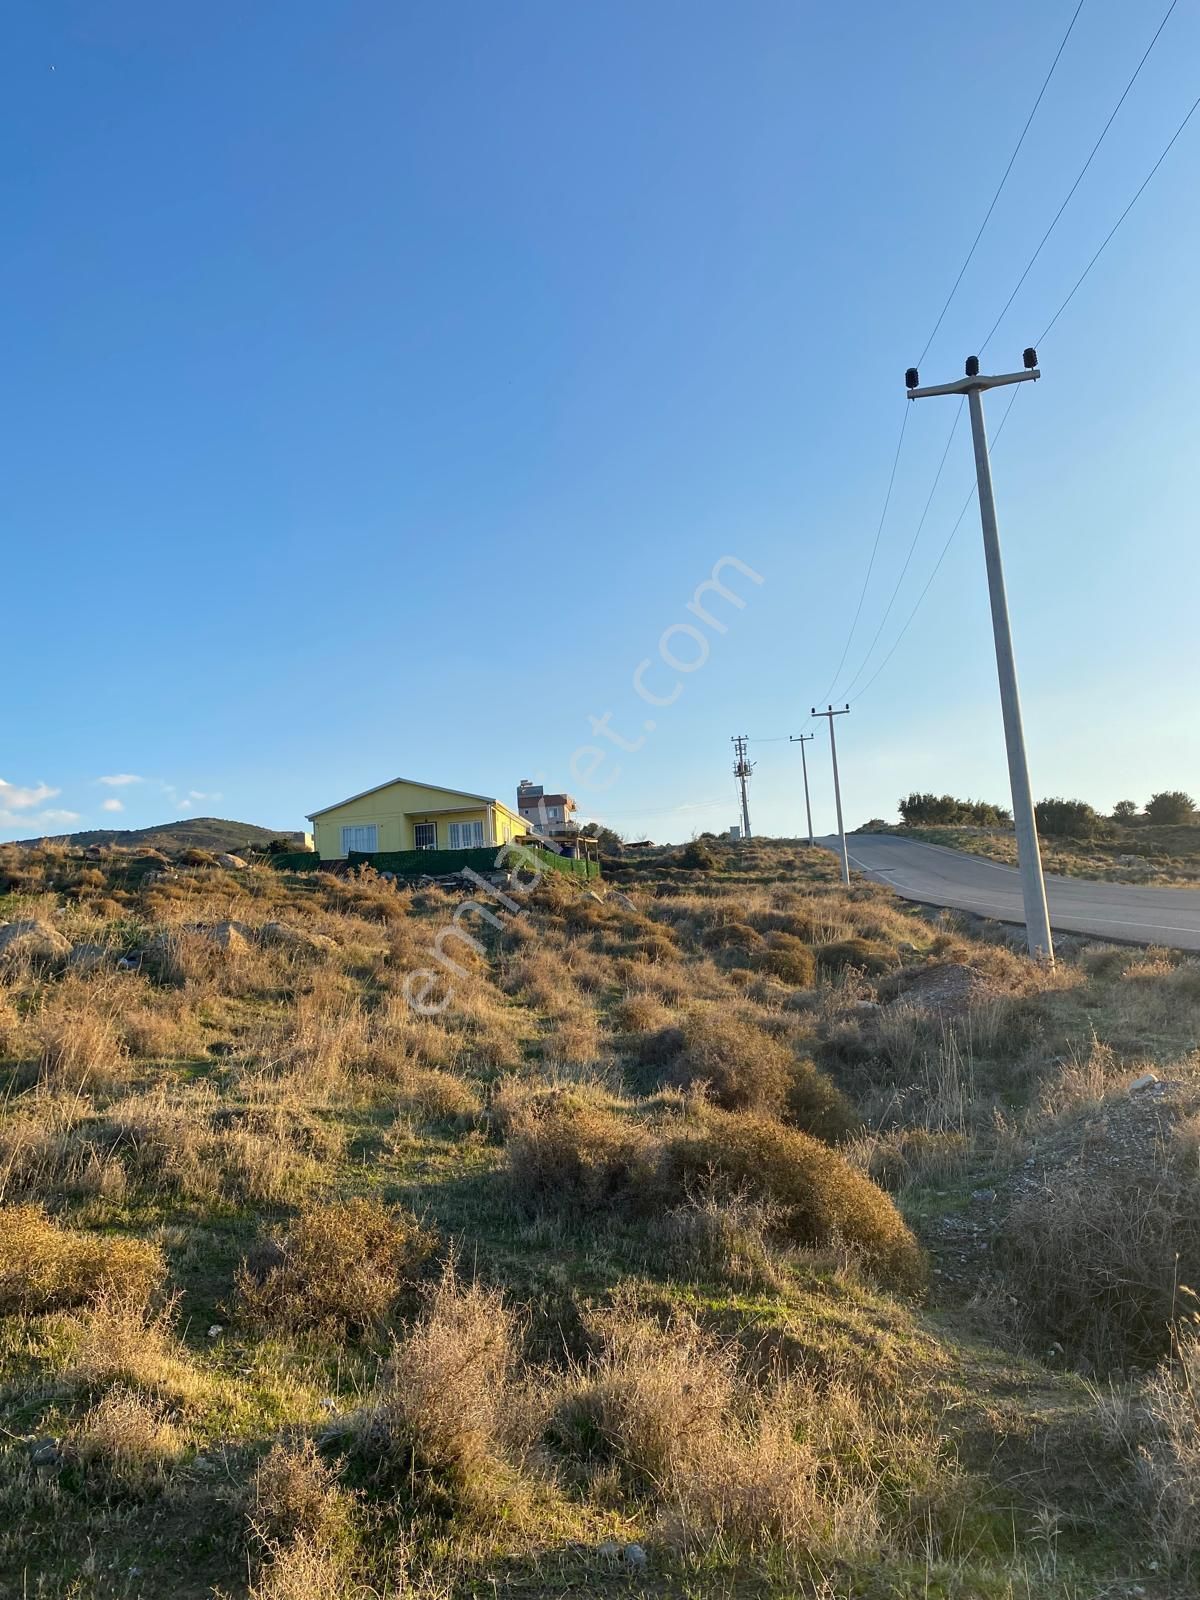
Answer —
966 385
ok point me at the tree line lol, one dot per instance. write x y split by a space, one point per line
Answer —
1056 817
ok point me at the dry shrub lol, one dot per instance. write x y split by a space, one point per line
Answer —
303 1570
1093 1259
822 1200
651 1403
339 1266
568 1152
430 1095
435 1425
764 1492
641 1013
789 959
162 1142
294 1496
47 1267
744 1068
783 1467
865 955
124 1444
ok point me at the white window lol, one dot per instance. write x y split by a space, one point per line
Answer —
466 835
425 835
361 836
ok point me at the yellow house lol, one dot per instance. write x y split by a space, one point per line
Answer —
406 815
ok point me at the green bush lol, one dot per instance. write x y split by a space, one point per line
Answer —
947 810
1067 819
1171 806
697 857
790 960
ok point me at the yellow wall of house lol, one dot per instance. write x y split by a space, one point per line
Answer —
397 808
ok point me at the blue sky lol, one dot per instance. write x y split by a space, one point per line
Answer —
381 380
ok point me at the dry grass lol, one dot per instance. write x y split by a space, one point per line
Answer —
644 1131
125 1444
45 1267
124 1343
1093 1260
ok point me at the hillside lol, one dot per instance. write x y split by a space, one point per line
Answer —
203 833
721 1232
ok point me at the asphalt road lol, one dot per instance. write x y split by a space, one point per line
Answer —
940 877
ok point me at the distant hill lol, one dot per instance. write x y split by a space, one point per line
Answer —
203 833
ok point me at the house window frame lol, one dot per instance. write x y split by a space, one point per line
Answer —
418 827
351 832
476 832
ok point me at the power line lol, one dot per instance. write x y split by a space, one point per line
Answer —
938 563
941 315
911 548
1137 196
887 500
1079 179
1000 185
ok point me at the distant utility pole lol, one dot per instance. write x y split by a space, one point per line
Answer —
837 787
741 771
1029 856
802 739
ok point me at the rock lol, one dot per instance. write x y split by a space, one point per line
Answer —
215 1331
986 1195
44 1454
1144 1082
131 963
230 936
230 861
155 857
609 1550
622 899
34 940
635 1556
292 938
87 957
592 895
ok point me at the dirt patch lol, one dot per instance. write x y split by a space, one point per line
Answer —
948 989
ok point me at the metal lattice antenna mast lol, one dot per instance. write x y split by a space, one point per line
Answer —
741 771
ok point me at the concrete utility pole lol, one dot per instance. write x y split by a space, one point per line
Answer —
1029 856
741 771
837 787
802 739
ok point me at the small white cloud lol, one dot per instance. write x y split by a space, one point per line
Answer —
112 805
15 798
118 780
56 816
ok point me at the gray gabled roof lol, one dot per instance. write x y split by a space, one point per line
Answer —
487 799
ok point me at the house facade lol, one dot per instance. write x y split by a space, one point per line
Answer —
551 815
405 814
